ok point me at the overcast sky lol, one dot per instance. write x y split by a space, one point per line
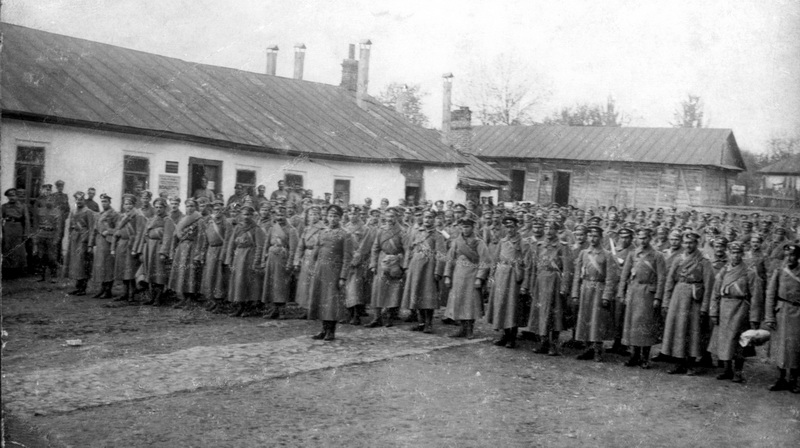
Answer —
741 57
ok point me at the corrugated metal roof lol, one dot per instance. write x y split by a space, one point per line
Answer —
790 166
74 81
676 146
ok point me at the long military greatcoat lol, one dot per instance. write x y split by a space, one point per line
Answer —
642 281
504 300
548 272
782 308
102 242
388 252
129 228
184 276
736 300
281 243
80 230
425 260
212 244
687 294
358 280
304 257
332 257
158 234
467 260
16 223
596 274
243 256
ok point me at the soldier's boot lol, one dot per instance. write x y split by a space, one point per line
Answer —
126 295
100 292
587 354
151 296
428 321
728 373
691 367
282 312
132 291
635 359
182 303
412 317
462 332
321 335
794 383
598 352
470 329
389 318
512 338
355 315
544 346
77 288
82 283
738 366
680 367
331 334
274 313
503 340
553 349
645 364
781 384
618 348
362 311
238 309
377 321
212 305
107 286
706 361
158 295
420 320
349 317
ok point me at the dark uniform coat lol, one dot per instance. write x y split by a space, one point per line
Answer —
388 253
782 308
425 260
212 244
129 228
81 224
184 276
642 281
102 243
332 257
687 295
158 234
243 256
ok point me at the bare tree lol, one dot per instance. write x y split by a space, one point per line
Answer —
505 92
588 115
690 113
405 99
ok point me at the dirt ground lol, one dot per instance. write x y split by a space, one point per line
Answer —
473 395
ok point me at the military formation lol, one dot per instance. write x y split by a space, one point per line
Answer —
632 279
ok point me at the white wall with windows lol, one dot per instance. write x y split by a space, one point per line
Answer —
112 162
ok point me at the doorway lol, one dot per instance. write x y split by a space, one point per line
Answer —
341 190
561 191
210 169
517 185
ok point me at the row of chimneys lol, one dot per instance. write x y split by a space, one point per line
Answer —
355 77
355 73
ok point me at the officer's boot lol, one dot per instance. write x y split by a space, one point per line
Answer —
428 321
124 297
331 334
389 318
462 332
645 364
356 315
503 340
377 321
512 338
151 296
728 373
470 329
781 384
794 383
321 335
553 350
107 286
738 366
598 352
413 316
635 359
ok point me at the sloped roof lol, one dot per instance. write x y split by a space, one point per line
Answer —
65 80
676 146
482 171
790 166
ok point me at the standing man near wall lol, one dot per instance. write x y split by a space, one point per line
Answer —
386 266
81 222
61 202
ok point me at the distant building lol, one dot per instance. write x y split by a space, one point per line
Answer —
601 166
116 119
783 175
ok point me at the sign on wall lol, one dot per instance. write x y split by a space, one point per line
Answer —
169 184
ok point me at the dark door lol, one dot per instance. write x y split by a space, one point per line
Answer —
561 192
341 190
517 185
210 169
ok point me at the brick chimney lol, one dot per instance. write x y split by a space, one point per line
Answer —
363 73
446 103
299 60
272 59
350 70
460 135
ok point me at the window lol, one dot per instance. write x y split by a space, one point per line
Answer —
247 179
294 180
136 174
30 171
341 190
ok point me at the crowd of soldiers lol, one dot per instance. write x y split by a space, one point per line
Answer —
693 282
